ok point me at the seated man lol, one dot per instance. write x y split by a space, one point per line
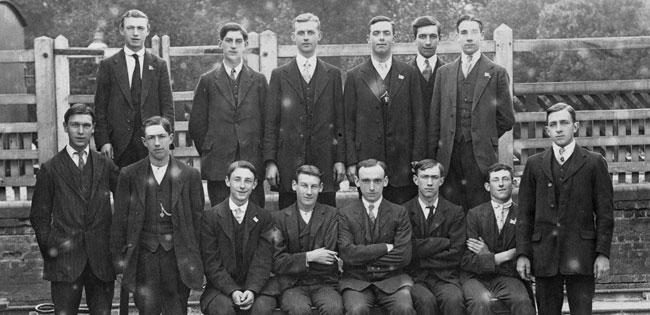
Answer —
438 244
306 261
236 249
489 263
375 245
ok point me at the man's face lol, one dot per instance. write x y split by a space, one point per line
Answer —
427 40
560 127
157 141
306 35
428 182
500 185
371 181
233 46
135 30
381 38
79 129
469 36
241 182
307 188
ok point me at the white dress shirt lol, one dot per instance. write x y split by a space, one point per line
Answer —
568 151
237 69
159 172
475 57
420 61
383 72
75 157
130 61
300 60
233 207
376 205
426 211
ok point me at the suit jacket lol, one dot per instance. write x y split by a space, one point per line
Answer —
70 230
187 207
565 235
289 262
363 250
481 222
218 126
218 250
113 104
438 246
427 86
492 112
289 126
402 139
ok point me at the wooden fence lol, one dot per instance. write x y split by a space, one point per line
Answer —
619 134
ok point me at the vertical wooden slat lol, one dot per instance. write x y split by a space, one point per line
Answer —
62 77
268 53
252 59
45 97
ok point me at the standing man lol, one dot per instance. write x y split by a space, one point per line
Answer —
384 114
132 86
304 117
489 262
154 237
306 261
237 250
471 108
565 222
227 118
426 34
375 245
438 242
71 215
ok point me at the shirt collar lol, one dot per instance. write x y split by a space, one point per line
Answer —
234 206
130 52
300 59
568 149
424 205
475 56
419 60
237 68
496 205
376 203
375 63
72 151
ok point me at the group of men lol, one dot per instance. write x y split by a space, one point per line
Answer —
426 236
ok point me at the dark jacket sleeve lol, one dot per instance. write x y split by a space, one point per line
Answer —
505 112
434 115
285 262
450 257
41 212
476 263
272 117
526 215
350 103
197 200
120 219
102 95
351 253
400 256
198 124
339 108
262 264
215 272
603 199
165 95
419 125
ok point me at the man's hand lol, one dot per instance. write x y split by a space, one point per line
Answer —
601 267
338 172
237 297
351 173
523 268
272 174
107 150
389 247
247 300
504 256
477 246
322 256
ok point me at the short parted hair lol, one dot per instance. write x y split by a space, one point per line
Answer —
423 21
559 107
427 164
309 170
471 18
306 17
371 163
156 121
381 18
78 109
498 167
242 164
133 14
233 27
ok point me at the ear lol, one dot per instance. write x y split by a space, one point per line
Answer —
576 126
219 42
356 181
254 183
487 186
368 38
385 181
294 185
144 141
415 179
293 36
320 35
227 181
547 130
320 187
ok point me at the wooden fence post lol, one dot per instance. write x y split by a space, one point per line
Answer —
155 45
165 54
62 79
45 97
504 56
268 53
252 58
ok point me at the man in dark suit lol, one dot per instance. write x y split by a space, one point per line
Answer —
227 117
237 250
489 262
71 215
304 117
375 246
384 114
426 34
306 261
154 238
438 242
125 97
565 220
470 109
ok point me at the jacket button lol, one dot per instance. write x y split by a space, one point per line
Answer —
550 184
557 224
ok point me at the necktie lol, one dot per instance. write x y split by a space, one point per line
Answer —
427 70
504 208
306 74
562 150
239 215
467 66
136 82
371 214
233 74
431 211
81 163
382 70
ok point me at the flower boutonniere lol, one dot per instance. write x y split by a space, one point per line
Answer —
487 75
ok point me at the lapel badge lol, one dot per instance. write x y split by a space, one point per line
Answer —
401 77
150 67
255 219
487 75
513 221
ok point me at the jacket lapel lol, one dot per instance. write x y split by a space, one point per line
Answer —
61 167
418 218
245 83
439 216
293 77
362 220
316 221
226 222
396 78
368 77
578 160
122 75
292 228
482 78
452 85
222 83
251 221
321 79
98 171
383 213
546 163
141 180
148 76
176 180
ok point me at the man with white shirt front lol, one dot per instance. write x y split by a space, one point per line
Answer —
426 35
438 242
384 114
304 117
124 97
471 108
